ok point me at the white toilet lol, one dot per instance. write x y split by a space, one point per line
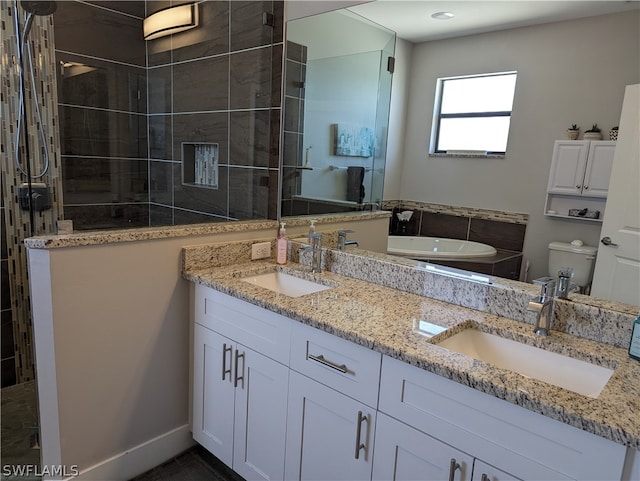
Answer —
576 255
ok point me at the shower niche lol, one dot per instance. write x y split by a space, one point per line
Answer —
200 164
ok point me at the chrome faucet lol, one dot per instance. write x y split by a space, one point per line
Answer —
563 285
316 251
342 239
544 305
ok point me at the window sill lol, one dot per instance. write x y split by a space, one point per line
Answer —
468 156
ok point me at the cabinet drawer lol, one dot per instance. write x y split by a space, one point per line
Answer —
342 365
526 444
256 328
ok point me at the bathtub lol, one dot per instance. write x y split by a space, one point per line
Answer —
424 248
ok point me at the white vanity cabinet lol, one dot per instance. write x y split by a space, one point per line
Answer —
494 432
240 394
406 454
333 393
484 472
579 176
276 399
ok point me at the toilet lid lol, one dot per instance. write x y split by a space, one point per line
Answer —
567 247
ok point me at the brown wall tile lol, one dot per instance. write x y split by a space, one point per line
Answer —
501 235
89 30
201 85
443 225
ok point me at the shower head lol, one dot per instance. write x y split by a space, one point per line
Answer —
39 7
34 8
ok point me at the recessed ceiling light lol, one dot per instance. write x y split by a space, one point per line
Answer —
442 15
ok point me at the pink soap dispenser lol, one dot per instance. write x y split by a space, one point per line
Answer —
281 246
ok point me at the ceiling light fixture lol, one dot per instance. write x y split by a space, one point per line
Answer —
170 20
442 15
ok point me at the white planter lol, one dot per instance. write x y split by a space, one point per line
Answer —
572 134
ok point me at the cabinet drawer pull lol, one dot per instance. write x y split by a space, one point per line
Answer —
241 377
453 467
341 367
359 444
226 371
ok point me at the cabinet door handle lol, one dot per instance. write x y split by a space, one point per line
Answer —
241 377
484 477
226 371
321 359
578 186
453 467
359 444
585 187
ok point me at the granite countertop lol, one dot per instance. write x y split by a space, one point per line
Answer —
114 236
385 320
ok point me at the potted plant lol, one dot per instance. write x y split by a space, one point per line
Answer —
613 133
593 133
573 131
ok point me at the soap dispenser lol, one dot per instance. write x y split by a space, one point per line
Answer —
281 245
312 229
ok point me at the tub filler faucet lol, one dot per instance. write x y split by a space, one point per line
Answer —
342 239
564 285
544 306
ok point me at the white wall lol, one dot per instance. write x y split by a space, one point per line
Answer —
111 333
341 90
397 119
304 8
337 33
568 72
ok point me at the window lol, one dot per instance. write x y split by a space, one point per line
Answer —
473 113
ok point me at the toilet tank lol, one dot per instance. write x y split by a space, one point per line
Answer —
580 258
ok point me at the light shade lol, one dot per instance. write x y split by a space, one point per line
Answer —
170 20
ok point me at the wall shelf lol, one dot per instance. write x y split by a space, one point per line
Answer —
579 178
200 164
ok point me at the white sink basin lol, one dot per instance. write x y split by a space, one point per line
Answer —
563 371
286 284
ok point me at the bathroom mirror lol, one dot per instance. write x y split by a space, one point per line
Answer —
566 75
338 74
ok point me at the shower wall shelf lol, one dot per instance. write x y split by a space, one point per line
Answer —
200 164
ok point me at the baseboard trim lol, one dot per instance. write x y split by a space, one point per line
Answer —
141 458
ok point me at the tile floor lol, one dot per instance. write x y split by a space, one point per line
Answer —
195 464
19 421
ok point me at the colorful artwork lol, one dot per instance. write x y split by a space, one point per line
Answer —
353 140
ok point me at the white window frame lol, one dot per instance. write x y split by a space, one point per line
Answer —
437 116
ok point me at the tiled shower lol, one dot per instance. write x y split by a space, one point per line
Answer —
127 111
216 85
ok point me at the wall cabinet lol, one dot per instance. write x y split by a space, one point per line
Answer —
579 176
